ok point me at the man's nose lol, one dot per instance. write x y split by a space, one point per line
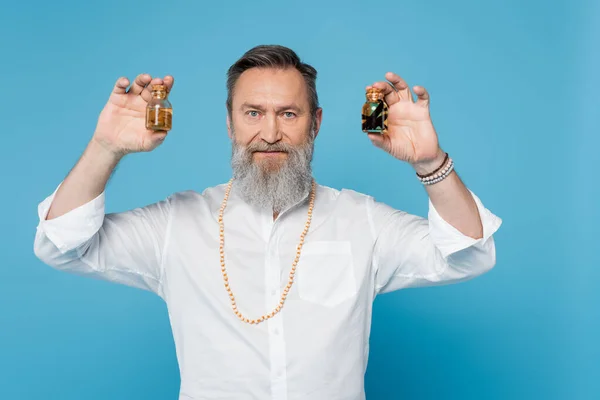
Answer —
270 131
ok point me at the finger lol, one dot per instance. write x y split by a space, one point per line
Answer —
121 85
140 83
389 94
422 96
169 81
147 92
400 85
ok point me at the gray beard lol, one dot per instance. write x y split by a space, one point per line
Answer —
273 189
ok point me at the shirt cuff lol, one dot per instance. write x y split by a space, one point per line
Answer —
74 228
450 240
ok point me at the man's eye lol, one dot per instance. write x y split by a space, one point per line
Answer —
289 114
253 114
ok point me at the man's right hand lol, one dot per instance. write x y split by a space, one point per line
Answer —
121 127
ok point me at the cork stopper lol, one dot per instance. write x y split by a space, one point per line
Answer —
374 94
159 88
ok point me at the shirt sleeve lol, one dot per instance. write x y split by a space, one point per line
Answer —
411 251
124 248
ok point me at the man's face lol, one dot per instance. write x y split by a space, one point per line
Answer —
270 113
272 140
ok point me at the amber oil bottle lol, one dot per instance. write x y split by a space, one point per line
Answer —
159 111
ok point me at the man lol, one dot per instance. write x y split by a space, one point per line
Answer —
269 279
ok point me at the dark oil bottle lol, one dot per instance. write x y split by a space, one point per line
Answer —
374 112
159 112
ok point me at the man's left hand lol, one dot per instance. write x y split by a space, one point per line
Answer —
410 134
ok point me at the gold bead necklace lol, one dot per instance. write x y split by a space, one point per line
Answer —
292 272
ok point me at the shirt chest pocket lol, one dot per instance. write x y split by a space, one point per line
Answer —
326 273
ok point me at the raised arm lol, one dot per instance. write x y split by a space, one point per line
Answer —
74 234
455 243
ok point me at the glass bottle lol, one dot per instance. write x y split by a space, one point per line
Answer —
374 112
159 111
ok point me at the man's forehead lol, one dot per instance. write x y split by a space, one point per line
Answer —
270 85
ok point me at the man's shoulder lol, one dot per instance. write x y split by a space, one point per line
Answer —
344 194
194 196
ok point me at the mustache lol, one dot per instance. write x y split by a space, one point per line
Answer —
264 146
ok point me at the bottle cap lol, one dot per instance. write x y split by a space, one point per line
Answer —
158 88
374 94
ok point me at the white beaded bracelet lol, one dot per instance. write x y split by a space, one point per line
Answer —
440 175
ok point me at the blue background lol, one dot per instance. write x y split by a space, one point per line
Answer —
514 87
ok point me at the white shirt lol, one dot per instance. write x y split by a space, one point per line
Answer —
317 346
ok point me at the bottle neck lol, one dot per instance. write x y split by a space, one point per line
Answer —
159 95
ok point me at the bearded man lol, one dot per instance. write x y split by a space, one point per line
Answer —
269 279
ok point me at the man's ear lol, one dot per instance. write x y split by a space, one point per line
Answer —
229 127
318 120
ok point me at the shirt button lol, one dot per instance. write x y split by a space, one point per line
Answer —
273 292
275 331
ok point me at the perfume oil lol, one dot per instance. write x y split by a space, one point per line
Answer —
159 111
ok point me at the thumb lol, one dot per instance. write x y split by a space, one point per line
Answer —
159 136
155 140
379 140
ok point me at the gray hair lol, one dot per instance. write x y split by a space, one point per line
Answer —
273 56
275 190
